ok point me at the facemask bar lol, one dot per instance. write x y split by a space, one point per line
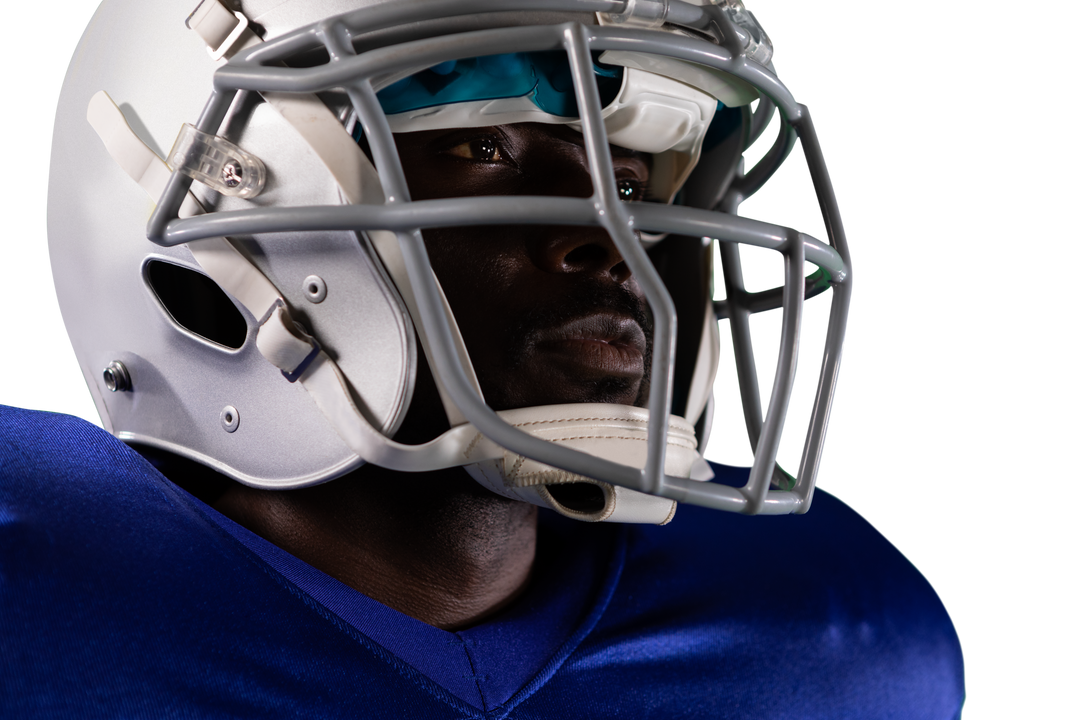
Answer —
258 70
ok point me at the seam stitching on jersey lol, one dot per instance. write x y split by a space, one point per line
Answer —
475 675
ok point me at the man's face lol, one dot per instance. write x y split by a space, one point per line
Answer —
549 314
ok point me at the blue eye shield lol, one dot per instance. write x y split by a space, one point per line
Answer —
543 77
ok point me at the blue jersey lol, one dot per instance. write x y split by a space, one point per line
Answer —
123 596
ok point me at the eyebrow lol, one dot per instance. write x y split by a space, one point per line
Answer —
619 151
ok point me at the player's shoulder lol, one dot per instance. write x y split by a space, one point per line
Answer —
65 472
821 597
828 533
830 550
21 423
34 442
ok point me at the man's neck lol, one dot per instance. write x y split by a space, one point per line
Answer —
435 546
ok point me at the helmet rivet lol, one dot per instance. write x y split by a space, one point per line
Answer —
116 377
232 174
314 288
230 418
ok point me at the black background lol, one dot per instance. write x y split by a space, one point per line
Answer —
901 448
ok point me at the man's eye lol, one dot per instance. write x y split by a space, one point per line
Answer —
484 149
630 189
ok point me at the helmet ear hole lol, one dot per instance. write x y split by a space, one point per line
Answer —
196 303
580 497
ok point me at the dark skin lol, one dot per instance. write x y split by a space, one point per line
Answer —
549 314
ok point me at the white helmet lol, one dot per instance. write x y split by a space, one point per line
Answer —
256 298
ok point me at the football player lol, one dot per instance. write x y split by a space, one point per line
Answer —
409 271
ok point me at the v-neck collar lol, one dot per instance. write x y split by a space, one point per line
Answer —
504 659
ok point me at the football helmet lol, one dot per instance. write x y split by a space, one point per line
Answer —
243 273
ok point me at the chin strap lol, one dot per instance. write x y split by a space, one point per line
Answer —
614 432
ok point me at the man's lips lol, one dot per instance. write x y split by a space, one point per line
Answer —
597 345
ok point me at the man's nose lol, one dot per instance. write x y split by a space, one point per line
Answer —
570 249
589 251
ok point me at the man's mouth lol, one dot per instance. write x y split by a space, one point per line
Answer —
595 346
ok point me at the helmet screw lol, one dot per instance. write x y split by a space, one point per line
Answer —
232 174
230 418
116 377
314 288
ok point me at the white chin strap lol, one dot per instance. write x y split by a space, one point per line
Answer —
613 432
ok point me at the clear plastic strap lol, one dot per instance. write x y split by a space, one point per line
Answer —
756 44
217 163
639 13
